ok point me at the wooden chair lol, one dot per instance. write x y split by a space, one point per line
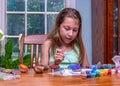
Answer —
34 41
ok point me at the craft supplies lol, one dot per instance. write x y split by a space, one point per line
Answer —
116 60
88 76
97 73
113 71
109 72
91 72
8 76
74 67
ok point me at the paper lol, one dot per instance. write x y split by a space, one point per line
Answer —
116 60
68 72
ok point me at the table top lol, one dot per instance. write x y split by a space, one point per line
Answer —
32 79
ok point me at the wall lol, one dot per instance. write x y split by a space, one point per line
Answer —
84 7
2 21
2 12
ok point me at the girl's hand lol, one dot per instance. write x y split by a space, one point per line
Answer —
59 56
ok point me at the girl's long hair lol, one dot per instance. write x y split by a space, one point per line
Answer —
54 35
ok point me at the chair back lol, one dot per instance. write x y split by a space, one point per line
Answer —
34 41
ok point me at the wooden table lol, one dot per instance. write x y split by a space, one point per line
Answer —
45 79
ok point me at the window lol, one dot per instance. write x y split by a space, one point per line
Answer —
29 17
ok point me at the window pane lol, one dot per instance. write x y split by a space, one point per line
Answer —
36 5
15 24
15 5
55 5
35 24
50 21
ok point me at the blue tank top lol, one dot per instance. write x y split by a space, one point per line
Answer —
71 57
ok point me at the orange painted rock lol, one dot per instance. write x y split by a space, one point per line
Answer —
23 68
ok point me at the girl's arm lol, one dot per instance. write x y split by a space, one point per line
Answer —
45 53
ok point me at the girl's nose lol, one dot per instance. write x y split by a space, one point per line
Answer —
70 33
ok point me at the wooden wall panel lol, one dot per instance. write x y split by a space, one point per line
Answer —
109 31
97 31
102 31
119 27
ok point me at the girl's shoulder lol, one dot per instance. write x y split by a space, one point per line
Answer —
47 42
46 46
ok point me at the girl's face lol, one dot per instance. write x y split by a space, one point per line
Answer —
69 30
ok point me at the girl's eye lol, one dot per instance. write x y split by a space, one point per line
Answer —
75 30
67 28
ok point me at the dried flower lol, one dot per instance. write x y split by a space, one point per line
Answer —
20 35
1 35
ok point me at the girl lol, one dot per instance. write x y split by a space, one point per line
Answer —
64 45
